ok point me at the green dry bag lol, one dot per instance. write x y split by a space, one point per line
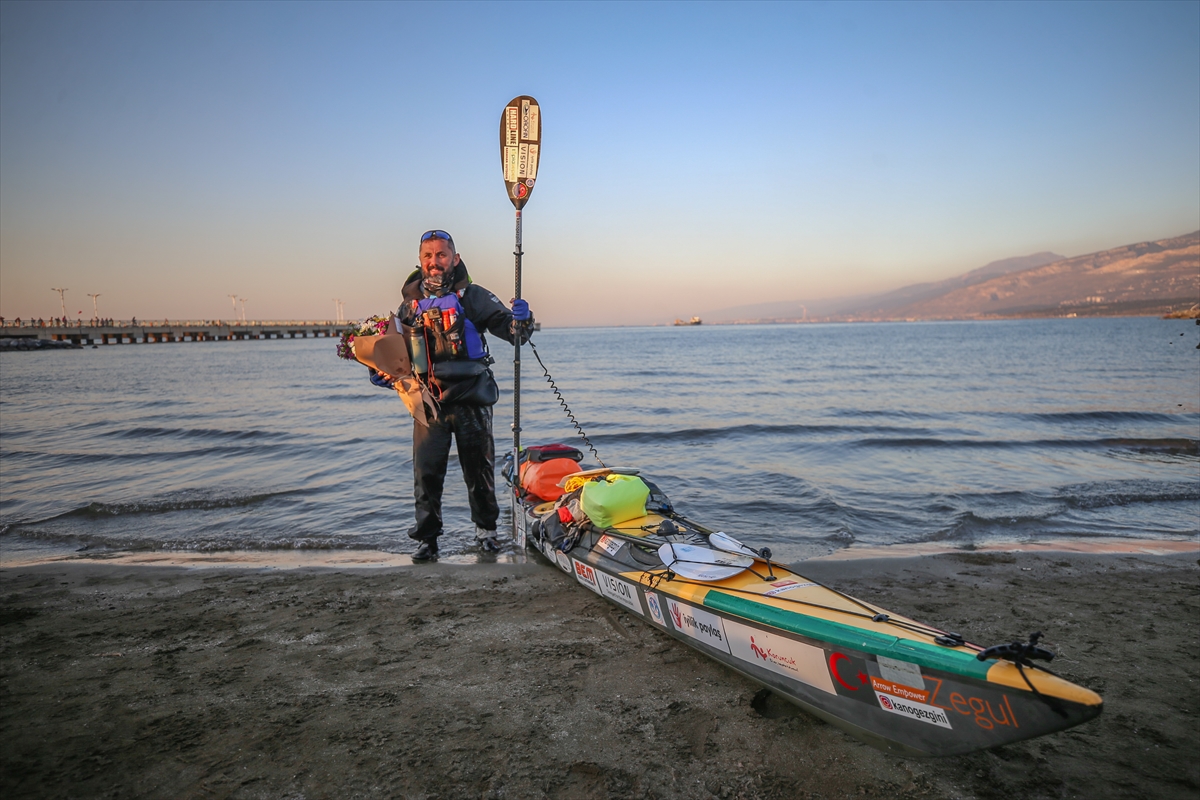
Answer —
614 499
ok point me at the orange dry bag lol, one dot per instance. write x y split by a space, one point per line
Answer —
540 478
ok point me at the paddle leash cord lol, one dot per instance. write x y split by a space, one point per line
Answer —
563 402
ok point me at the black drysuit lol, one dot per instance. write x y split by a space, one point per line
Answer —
469 425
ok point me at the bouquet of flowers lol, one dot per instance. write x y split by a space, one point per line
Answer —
371 326
377 343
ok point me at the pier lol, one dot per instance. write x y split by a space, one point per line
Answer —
131 332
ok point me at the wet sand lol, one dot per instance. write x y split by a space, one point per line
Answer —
512 681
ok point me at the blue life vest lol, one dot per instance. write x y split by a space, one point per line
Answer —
439 345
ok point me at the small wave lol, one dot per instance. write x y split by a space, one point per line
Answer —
739 431
840 537
1174 447
1106 495
200 544
181 501
350 398
1190 447
1100 416
143 432
90 460
758 508
886 414
968 525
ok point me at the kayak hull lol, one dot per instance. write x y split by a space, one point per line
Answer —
884 681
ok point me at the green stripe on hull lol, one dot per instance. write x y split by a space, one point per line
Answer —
927 655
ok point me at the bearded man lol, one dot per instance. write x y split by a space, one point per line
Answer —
446 317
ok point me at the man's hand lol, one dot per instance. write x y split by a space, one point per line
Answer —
381 379
520 310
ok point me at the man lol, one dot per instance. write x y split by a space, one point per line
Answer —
448 315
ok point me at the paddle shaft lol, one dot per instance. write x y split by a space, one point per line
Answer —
516 425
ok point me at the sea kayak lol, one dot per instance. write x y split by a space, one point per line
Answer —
889 680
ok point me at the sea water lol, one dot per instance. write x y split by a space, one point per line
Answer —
806 438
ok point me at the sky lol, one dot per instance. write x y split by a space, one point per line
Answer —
695 156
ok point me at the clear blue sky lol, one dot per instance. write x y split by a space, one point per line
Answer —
695 155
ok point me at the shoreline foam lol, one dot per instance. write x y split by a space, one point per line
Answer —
378 559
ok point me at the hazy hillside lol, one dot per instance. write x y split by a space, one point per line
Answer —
1144 278
884 304
872 304
1149 277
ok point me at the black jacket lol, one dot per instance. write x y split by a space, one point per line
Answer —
483 308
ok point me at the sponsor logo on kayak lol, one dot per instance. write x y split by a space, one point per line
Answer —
990 710
767 654
796 660
930 715
698 624
904 673
851 674
563 562
784 586
907 692
850 677
985 716
621 591
610 545
655 608
587 576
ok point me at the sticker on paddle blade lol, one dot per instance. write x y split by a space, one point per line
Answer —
520 147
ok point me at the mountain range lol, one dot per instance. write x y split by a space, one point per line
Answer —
1137 279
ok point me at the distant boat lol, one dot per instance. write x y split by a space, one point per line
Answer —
692 321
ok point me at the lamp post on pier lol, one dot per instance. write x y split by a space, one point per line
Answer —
95 308
243 302
62 299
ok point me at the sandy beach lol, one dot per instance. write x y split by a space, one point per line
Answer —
511 681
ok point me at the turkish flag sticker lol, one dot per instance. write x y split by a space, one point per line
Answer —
850 677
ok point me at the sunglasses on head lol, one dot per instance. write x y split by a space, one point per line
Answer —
427 235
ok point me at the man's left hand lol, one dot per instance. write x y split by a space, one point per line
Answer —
381 379
520 310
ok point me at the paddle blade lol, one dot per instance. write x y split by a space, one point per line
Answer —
723 541
520 147
700 563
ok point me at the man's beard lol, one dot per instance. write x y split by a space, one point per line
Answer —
438 285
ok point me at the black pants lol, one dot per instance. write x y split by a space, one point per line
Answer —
471 427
